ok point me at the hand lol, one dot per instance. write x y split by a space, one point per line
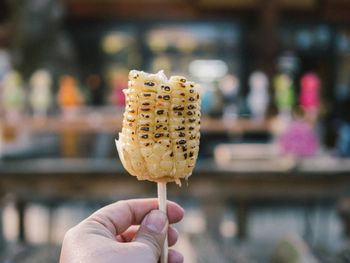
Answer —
131 231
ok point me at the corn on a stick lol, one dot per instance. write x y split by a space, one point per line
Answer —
159 140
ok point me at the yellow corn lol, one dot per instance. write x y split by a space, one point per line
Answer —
159 140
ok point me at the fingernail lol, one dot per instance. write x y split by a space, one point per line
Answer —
156 221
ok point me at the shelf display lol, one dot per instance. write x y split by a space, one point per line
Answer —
209 52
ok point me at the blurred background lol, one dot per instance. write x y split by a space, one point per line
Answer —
272 181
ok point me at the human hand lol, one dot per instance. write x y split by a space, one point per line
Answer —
131 231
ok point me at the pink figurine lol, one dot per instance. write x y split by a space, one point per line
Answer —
309 97
119 82
299 140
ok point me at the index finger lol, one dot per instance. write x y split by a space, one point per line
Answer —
119 216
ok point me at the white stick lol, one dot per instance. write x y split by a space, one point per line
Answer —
162 200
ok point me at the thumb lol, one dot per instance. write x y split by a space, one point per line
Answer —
152 232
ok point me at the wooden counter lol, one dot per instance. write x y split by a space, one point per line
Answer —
323 178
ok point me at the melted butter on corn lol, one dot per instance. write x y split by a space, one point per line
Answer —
160 137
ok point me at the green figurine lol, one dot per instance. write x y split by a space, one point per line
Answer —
13 95
284 93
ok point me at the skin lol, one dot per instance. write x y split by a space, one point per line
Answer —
130 231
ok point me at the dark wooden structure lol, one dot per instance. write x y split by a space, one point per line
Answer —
55 180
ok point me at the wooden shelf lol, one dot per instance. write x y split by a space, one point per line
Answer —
97 122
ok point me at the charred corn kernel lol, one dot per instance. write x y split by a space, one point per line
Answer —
160 137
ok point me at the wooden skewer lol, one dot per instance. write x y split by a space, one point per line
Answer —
162 202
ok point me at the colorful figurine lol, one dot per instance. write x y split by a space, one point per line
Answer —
258 98
284 94
309 96
119 80
299 140
40 97
13 95
310 86
69 95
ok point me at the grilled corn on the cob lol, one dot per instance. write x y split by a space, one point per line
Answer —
159 140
